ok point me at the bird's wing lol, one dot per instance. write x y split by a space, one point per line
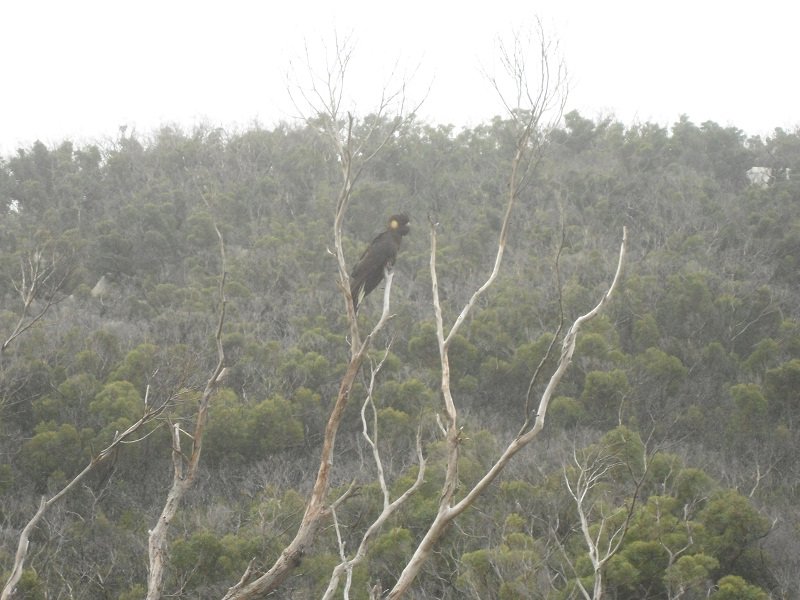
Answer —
376 255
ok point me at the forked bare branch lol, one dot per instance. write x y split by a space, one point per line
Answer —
150 414
449 510
43 274
370 433
528 112
185 467
356 143
609 533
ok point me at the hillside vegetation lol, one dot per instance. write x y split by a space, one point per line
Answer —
680 408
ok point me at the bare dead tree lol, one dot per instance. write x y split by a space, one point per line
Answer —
151 412
370 434
543 106
318 509
43 274
605 534
448 508
322 97
185 467
535 111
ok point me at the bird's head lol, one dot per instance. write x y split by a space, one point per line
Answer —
399 223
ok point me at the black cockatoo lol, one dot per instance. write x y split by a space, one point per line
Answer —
368 272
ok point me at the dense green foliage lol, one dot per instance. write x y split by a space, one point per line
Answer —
696 362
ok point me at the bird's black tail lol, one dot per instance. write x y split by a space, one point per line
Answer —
356 291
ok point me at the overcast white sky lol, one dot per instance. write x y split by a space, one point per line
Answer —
81 69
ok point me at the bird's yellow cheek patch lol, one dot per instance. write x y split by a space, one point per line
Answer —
394 224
